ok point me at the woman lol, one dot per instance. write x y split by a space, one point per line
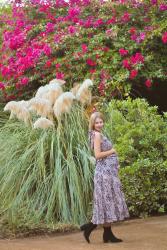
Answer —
109 201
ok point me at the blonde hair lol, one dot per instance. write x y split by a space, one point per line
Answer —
93 118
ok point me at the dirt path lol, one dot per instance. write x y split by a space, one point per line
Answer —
141 234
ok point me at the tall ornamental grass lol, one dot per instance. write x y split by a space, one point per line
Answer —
45 175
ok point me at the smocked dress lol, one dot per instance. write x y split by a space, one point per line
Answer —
109 203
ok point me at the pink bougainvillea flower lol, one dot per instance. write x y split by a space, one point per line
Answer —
86 2
72 29
133 73
28 27
59 75
105 49
58 65
77 55
51 17
2 85
5 71
48 64
10 97
133 37
92 71
126 17
57 38
132 30
104 75
164 37
123 52
149 28
24 81
108 32
16 41
87 23
47 50
17 85
137 58
163 7
111 33
154 2
141 37
90 62
148 83
84 48
50 27
90 35
98 23
44 8
75 11
112 20
101 88
126 64
43 34
146 19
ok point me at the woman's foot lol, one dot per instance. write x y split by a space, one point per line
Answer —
88 228
84 226
108 236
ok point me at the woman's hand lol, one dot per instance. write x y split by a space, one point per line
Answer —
97 148
113 151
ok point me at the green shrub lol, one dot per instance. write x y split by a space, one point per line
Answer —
145 186
140 137
137 130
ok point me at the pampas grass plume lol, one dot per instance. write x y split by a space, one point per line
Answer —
75 88
59 81
84 94
63 104
20 110
42 107
43 123
50 92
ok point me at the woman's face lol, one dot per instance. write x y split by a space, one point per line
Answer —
98 124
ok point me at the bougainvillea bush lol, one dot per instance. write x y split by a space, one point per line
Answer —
118 44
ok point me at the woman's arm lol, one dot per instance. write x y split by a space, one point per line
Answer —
97 149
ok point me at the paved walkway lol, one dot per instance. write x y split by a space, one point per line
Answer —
140 234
